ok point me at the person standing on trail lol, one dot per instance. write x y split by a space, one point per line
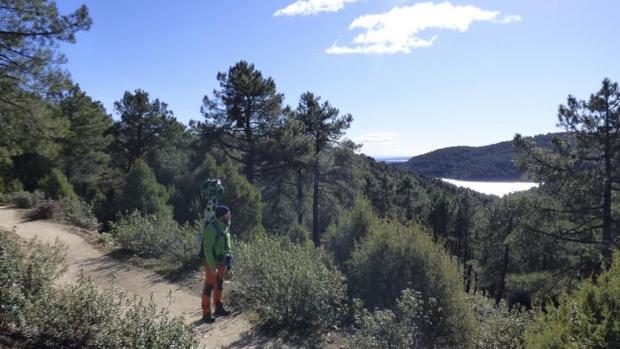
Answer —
216 250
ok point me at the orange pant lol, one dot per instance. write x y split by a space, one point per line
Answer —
214 282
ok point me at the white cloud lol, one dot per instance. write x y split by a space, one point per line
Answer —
376 137
312 7
398 30
509 19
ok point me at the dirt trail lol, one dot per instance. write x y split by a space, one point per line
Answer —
106 271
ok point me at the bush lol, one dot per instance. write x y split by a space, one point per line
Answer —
83 317
66 210
80 316
26 276
392 329
299 234
23 199
79 213
14 185
57 186
158 236
587 318
354 225
498 326
11 298
397 257
289 287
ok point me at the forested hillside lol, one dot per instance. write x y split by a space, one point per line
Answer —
325 238
495 162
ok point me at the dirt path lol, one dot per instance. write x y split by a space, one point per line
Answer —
106 271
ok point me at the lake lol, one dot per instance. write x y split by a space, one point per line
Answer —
392 159
493 188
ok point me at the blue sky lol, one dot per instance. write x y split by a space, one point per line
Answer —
416 76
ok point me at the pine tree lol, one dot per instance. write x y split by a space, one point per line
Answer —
30 31
241 114
240 196
30 72
84 156
142 192
583 172
145 127
324 125
287 153
56 186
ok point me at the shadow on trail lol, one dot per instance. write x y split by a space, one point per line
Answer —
181 273
116 265
171 273
254 339
104 264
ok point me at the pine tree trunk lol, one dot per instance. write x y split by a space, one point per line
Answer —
251 154
475 282
607 219
249 166
467 268
468 273
409 210
316 237
300 197
501 282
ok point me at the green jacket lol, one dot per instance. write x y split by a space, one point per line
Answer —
215 243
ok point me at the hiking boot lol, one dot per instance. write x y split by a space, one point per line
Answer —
209 319
220 311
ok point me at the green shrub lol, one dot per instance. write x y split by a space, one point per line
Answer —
392 329
83 317
354 225
79 213
56 186
586 318
66 210
26 275
12 299
498 326
157 236
24 199
299 234
289 287
43 210
14 185
184 247
398 257
41 316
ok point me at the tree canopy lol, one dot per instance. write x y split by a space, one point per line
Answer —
241 113
583 171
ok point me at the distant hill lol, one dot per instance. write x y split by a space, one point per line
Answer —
493 162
